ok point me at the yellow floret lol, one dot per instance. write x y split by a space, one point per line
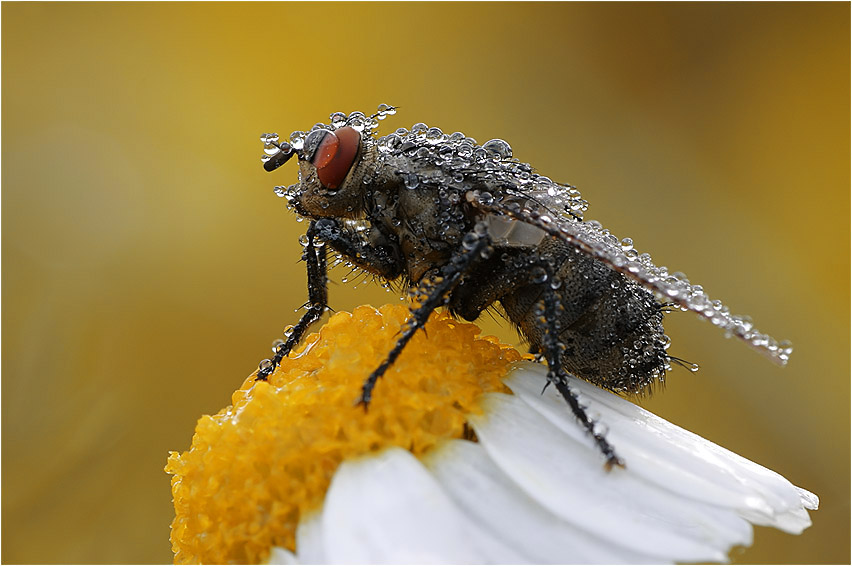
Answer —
255 467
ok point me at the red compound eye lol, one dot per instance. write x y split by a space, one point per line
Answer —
335 155
326 150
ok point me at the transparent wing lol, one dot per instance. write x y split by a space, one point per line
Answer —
594 240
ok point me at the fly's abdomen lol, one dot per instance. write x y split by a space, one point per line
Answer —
610 326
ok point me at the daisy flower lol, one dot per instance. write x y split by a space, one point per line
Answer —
460 459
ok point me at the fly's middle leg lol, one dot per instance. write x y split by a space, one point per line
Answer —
475 246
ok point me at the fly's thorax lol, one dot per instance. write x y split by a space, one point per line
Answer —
424 215
428 231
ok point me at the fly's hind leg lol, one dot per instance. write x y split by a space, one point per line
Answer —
552 349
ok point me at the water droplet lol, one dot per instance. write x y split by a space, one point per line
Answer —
390 143
407 147
338 119
626 244
469 241
538 275
434 135
357 121
297 140
446 152
498 148
266 365
411 180
486 198
384 110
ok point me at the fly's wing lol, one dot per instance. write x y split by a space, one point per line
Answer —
543 208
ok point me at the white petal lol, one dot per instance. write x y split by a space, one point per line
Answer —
568 478
672 457
493 501
809 500
280 555
309 539
387 508
534 490
648 453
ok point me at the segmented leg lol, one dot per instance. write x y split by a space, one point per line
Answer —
475 245
317 304
552 349
376 256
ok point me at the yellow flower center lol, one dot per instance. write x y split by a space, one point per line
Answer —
257 466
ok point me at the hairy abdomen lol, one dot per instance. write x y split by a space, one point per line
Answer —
610 326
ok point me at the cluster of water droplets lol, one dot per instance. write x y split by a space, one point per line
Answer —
356 120
455 161
271 147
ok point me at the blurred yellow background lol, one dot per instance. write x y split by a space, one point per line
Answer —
147 264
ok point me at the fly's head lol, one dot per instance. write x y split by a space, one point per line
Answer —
326 159
334 164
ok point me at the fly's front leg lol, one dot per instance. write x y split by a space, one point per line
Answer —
475 246
380 257
549 317
315 259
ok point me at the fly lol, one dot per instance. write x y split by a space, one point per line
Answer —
470 227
